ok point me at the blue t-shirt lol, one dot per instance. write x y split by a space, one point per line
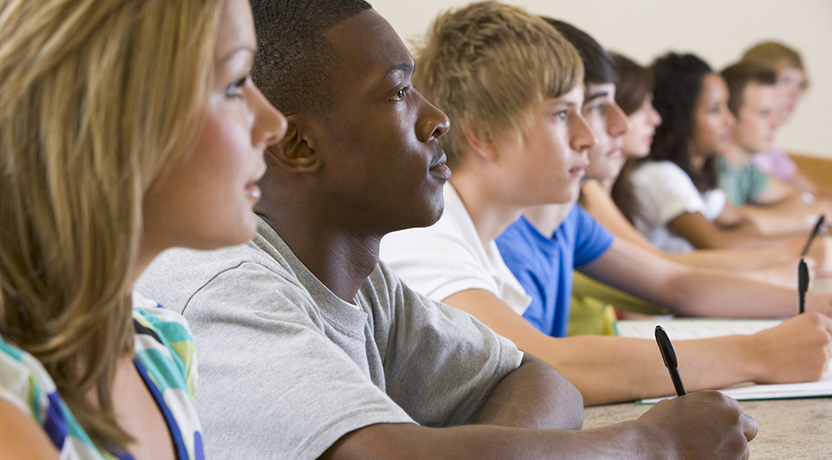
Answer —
544 265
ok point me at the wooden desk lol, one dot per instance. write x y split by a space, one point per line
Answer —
789 428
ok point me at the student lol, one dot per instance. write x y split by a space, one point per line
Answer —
456 261
679 205
777 208
792 83
607 186
116 144
311 349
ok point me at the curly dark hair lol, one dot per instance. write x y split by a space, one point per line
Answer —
678 84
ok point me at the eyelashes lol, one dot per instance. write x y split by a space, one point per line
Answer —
235 89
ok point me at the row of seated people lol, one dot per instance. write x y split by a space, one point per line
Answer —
132 160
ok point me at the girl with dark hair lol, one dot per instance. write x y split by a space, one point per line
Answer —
609 196
679 205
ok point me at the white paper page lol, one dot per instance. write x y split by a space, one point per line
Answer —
687 329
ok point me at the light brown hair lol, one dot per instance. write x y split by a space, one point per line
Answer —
485 64
775 56
98 98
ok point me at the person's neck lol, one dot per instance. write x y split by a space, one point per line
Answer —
736 155
490 213
548 217
338 257
606 184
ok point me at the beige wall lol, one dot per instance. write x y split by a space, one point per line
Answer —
717 30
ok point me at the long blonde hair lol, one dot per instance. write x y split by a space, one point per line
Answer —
98 98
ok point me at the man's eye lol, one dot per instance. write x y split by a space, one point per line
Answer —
400 94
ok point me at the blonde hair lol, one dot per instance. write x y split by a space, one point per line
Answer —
775 56
98 98
485 64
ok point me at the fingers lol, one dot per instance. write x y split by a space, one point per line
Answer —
749 427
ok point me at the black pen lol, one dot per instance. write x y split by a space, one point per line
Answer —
669 356
802 283
812 235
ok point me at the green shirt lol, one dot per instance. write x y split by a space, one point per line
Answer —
741 186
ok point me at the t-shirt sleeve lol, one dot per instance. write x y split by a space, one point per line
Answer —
278 386
414 254
592 238
172 331
441 364
664 192
757 180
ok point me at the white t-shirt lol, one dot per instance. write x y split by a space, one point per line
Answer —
664 192
448 257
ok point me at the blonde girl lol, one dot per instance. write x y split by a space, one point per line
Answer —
126 127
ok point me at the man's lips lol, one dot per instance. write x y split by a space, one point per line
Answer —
440 169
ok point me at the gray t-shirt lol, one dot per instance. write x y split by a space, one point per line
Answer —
287 368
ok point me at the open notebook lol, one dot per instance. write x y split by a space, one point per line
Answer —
686 329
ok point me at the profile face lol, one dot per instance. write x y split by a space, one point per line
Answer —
382 163
757 118
608 124
207 200
546 163
712 121
643 123
792 82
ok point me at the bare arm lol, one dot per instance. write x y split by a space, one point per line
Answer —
613 369
21 438
534 396
598 203
704 234
776 192
721 430
679 287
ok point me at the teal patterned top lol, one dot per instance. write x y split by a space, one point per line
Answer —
164 359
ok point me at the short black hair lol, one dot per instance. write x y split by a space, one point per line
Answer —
739 75
598 66
293 65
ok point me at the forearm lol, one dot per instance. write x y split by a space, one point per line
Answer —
735 259
779 221
534 396
728 296
623 441
615 369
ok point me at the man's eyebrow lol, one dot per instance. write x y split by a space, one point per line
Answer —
594 96
406 67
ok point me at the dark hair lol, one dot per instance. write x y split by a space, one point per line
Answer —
598 67
293 65
739 75
634 84
678 85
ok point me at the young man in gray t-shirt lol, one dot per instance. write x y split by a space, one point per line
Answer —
309 348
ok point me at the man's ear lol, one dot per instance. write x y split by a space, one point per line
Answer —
296 151
481 143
